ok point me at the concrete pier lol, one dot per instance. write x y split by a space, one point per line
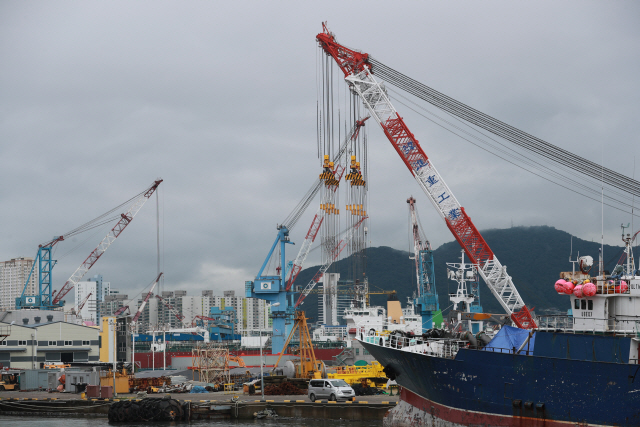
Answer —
367 408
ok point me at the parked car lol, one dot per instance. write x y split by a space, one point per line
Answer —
332 390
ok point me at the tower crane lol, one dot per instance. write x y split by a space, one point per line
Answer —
427 299
358 74
46 299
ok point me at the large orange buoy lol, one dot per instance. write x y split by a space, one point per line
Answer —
559 286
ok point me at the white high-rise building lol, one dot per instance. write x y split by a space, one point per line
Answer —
99 290
13 276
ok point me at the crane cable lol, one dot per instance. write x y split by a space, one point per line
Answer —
517 156
503 130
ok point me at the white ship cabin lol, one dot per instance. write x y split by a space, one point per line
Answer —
614 308
606 303
367 318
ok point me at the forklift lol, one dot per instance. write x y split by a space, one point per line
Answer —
9 380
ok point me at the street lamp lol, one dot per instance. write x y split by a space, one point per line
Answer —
276 304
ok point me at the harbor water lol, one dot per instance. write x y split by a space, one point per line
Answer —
10 421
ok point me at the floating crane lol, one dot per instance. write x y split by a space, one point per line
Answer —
48 300
358 74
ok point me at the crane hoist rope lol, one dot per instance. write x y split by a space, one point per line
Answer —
357 70
337 172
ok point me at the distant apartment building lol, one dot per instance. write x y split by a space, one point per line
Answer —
13 276
97 290
252 315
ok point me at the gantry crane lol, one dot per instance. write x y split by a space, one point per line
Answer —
358 75
427 300
46 299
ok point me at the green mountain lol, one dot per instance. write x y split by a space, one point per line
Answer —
534 257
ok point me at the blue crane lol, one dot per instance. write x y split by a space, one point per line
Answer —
427 297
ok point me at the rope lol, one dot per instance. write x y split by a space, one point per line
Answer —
503 130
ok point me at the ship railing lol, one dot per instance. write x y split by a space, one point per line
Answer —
612 286
439 347
563 323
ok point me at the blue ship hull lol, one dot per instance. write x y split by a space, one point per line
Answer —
567 379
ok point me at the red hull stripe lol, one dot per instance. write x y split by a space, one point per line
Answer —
472 418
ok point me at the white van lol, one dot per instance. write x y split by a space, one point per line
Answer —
332 390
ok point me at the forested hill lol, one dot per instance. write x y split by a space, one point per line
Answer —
534 257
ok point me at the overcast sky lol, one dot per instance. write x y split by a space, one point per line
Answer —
98 99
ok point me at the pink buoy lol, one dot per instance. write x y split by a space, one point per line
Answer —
589 290
622 288
559 286
577 291
568 288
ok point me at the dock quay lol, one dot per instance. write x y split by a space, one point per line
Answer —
195 407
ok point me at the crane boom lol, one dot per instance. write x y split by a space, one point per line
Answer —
84 301
172 310
144 302
373 94
125 219
334 255
121 310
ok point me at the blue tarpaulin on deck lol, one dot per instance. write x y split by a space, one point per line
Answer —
509 338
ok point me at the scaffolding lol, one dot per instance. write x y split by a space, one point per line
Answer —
211 361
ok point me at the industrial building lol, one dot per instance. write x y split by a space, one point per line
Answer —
31 346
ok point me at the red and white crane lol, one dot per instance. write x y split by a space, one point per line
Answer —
125 219
334 255
172 310
358 75
81 305
144 302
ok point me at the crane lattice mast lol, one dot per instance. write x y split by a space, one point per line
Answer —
358 75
